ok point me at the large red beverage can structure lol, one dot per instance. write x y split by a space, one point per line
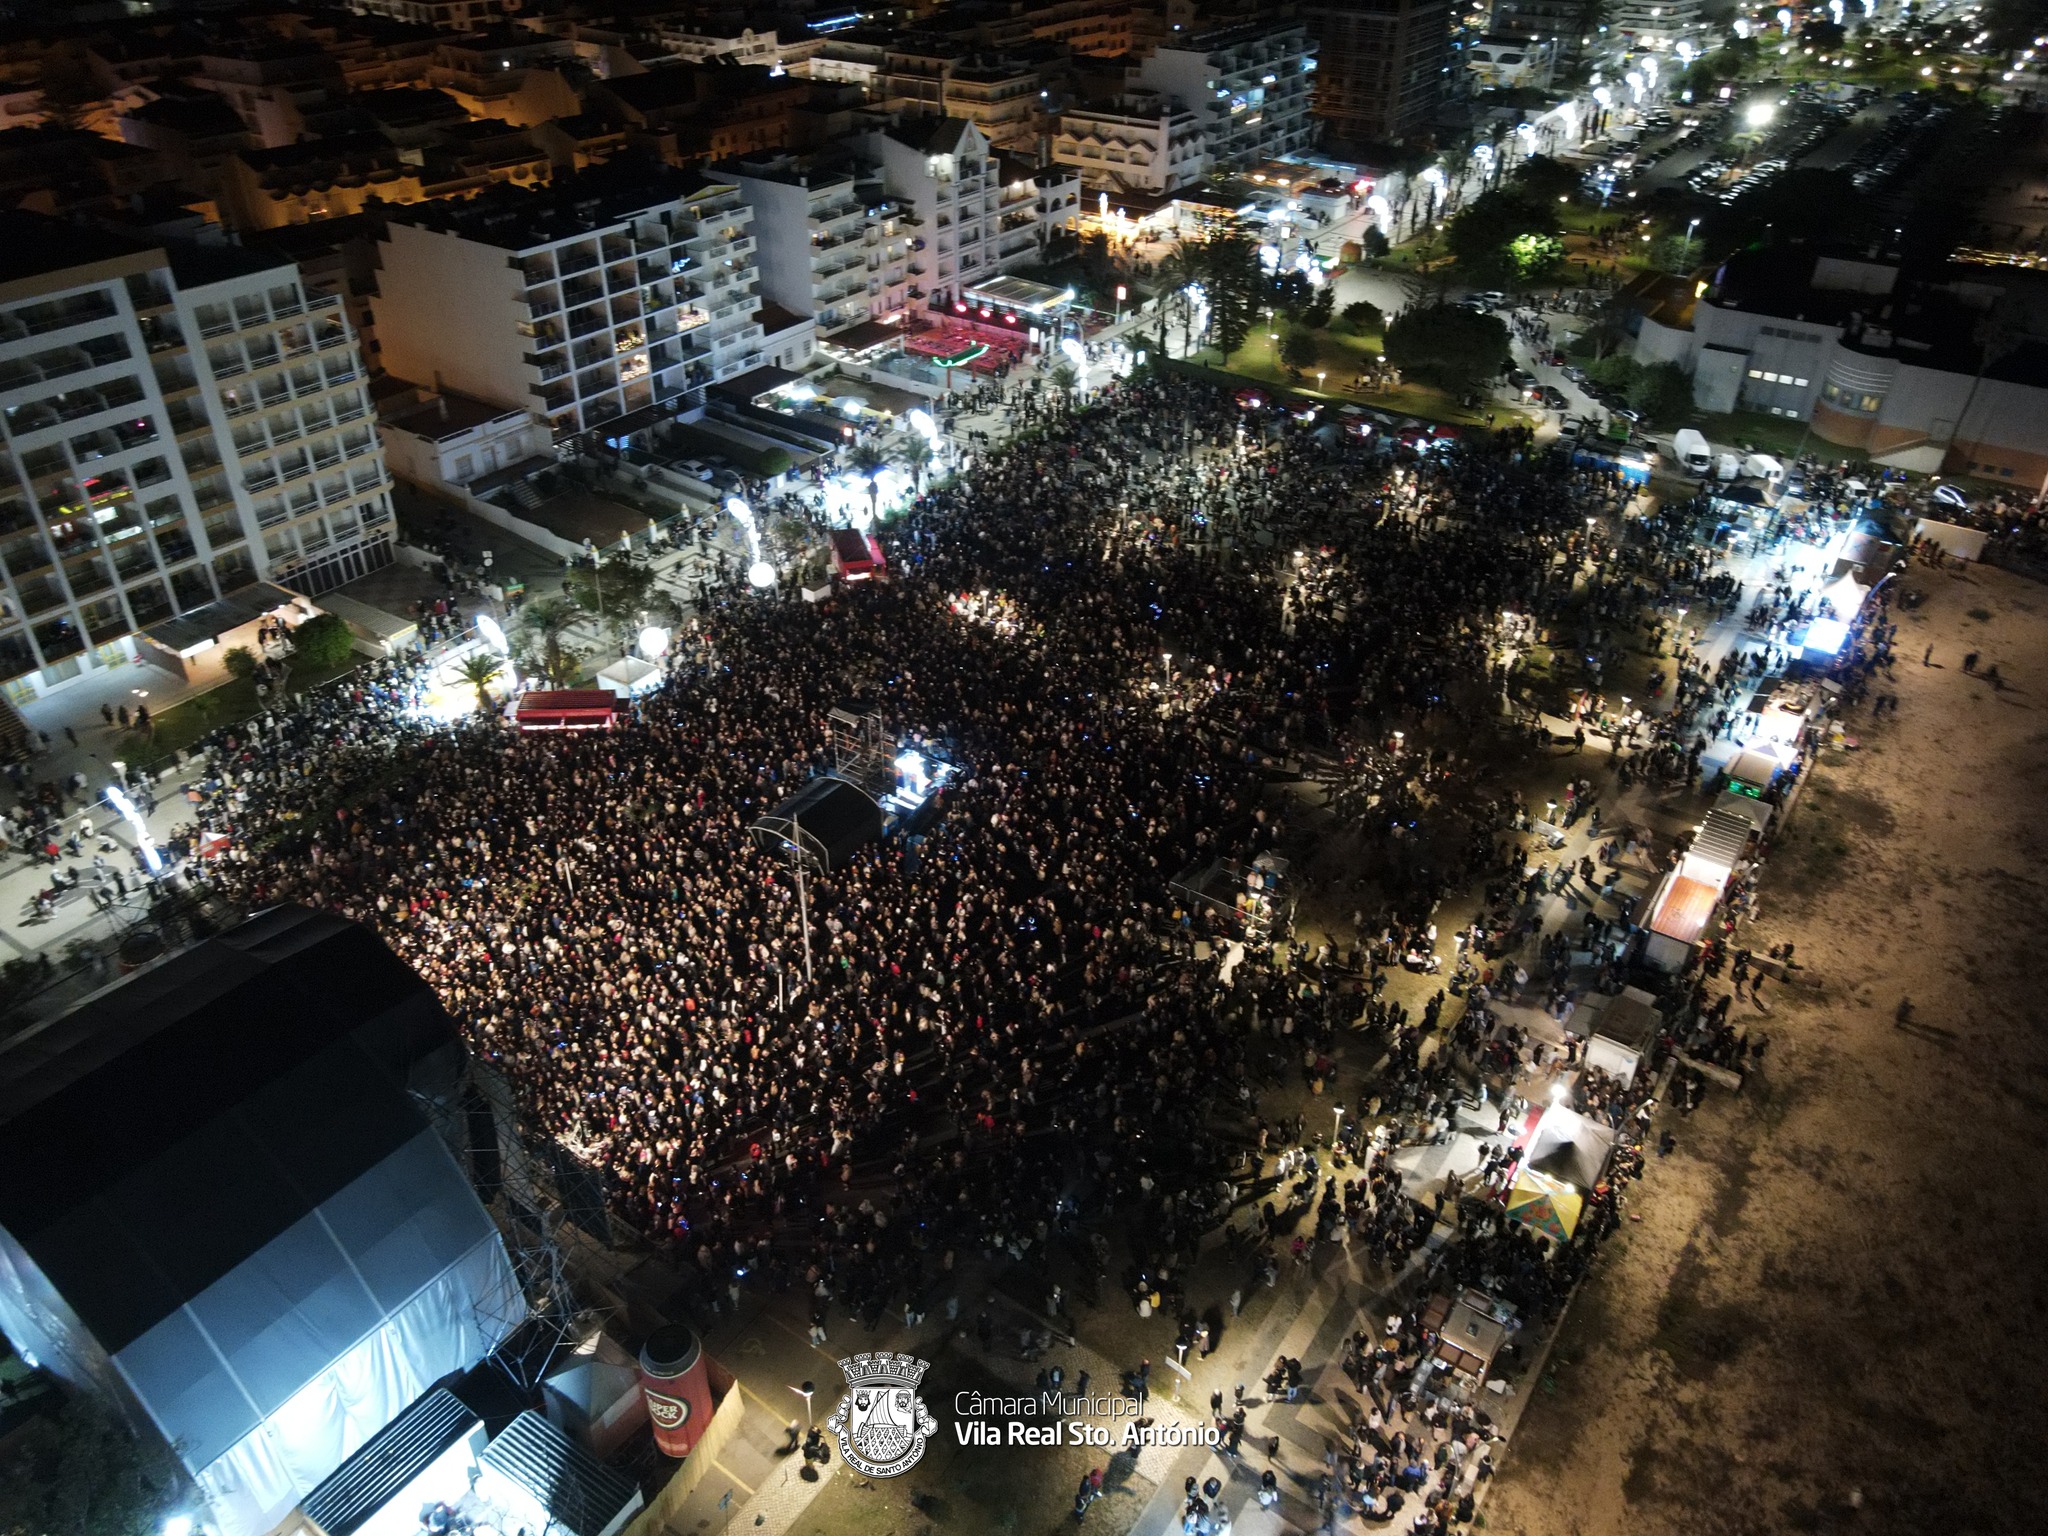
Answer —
676 1383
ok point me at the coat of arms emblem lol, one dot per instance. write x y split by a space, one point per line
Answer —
882 1424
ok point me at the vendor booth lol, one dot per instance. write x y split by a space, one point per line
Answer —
630 676
572 709
1956 541
1569 1146
1471 1330
856 556
1545 1205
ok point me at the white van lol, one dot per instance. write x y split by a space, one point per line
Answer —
1727 467
1691 451
1761 466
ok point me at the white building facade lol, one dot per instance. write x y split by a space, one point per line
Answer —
629 287
1247 85
178 425
1142 142
941 174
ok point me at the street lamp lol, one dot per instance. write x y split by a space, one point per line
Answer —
804 1391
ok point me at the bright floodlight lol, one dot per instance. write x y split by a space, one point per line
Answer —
921 422
653 642
494 634
118 799
761 574
1558 1093
1826 636
178 1525
911 766
1759 113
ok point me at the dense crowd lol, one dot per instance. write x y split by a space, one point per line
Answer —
1008 1023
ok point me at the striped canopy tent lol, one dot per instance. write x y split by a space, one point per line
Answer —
1544 1204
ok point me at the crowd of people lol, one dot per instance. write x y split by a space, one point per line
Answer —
594 910
992 1036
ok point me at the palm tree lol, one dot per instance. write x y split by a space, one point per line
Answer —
545 621
480 671
917 453
1064 378
868 462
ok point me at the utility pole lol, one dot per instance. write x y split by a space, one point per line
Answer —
803 901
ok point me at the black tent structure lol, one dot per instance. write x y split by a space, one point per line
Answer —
825 823
224 1207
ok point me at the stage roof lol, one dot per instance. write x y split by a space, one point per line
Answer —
829 819
171 1125
221 1201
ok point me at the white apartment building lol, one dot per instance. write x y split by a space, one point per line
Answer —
1036 203
443 15
1141 142
1248 86
829 247
606 299
179 424
701 44
1654 23
941 172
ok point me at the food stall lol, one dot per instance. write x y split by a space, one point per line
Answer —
1470 1330
570 709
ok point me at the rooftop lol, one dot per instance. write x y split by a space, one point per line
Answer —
33 244
195 265
517 219
447 415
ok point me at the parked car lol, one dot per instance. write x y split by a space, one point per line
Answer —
695 468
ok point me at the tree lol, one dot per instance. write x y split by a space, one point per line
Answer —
771 462
82 1471
322 643
1363 316
1535 257
544 623
1447 345
617 593
917 454
1616 372
480 671
2015 23
1662 393
1320 308
1235 284
240 662
1064 377
1297 351
1544 180
1374 242
1484 238
868 461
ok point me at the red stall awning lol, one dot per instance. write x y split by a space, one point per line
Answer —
573 709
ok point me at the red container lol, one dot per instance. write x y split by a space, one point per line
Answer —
677 1385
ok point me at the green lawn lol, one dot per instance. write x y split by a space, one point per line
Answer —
177 726
1340 354
1779 436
